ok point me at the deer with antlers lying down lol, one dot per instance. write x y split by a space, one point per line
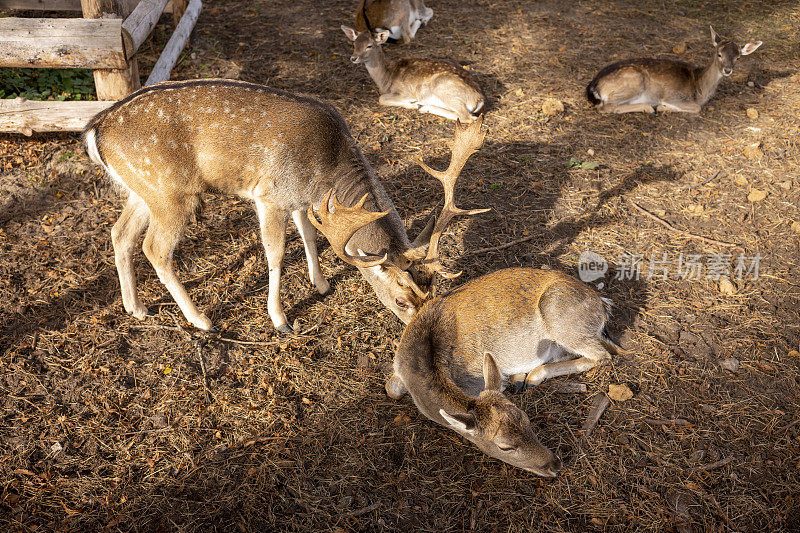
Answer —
516 326
167 144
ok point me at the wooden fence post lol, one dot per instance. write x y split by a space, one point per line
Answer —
113 84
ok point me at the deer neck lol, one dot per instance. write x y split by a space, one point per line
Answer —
378 69
708 79
425 374
386 234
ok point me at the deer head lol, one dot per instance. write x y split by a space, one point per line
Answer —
728 52
501 429
401 278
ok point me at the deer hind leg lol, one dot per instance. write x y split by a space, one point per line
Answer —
309 235
166 229
591 352
132 222
273 235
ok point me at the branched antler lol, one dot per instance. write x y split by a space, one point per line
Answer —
340 225
467 141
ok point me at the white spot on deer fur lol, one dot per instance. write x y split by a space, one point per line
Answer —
160 113
146 160
172 143
154 138
120 118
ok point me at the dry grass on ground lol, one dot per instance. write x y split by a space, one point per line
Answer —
107 423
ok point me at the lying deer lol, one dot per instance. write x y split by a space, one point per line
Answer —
652 85
401 18
427 85
167 144
531 325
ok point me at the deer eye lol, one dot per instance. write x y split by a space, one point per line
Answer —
506 448
401 304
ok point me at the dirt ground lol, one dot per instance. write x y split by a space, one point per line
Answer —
113 424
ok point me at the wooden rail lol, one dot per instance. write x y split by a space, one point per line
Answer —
61 43
105 40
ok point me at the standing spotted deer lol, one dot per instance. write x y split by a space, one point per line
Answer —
651 85
427 85
401 18
167 144
518 327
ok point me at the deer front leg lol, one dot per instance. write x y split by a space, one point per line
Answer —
273 235
444 112
626 108
124 234
410 30
166 229
678 107
398 100
308 233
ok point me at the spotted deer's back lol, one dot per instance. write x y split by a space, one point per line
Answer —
235 138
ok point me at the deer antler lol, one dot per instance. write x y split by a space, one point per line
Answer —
467 141
340 225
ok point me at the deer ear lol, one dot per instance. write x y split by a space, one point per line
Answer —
491 374
749 48
461 422
382 36
715 39
350 32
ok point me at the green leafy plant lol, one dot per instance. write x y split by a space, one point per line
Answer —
47 84
585 165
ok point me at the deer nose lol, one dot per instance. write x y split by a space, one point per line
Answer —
354 59
727 71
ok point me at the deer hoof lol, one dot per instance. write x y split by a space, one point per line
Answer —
535 378
323 286
286 329
140 312
203 323
517 386
395 388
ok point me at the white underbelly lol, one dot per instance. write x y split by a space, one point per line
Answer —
521 354
395 32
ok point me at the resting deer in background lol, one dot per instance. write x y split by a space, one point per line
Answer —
167 144
427 85
401 18
531 325
652 85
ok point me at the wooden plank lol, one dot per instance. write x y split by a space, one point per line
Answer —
20 115
169 56
113 84
138 25
42 5
61 43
